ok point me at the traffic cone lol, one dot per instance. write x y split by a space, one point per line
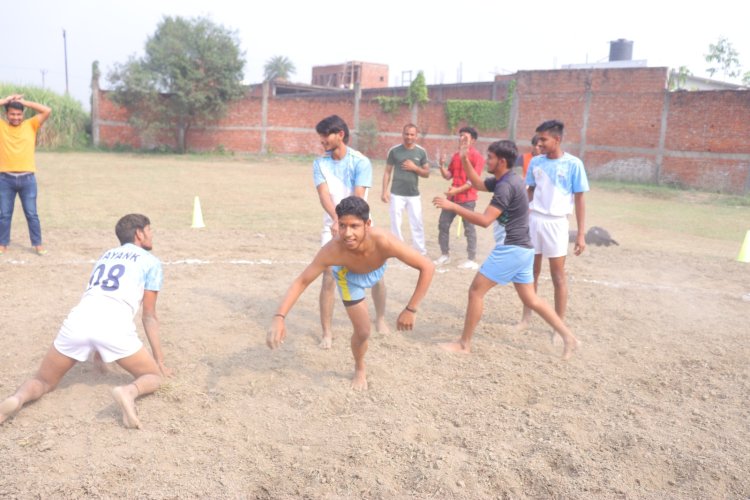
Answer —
197 214
744 255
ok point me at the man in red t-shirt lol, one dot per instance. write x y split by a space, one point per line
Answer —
462 193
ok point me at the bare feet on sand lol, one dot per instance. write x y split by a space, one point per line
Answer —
8 407
125 398
570 347
457 346
381 326
326 342
359 381
522 325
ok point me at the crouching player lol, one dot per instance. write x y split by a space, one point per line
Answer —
358 258
102 323
511 260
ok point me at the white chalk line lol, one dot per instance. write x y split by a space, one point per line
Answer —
397 265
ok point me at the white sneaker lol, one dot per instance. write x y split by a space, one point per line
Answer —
443 259
469 264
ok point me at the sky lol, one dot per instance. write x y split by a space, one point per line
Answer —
458 42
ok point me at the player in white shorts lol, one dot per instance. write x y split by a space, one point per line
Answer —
102 324
556 183
340 172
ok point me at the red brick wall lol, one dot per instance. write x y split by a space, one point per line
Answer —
634 129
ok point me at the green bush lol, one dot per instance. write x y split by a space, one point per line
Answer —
66 126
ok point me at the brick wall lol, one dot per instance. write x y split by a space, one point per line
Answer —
623 123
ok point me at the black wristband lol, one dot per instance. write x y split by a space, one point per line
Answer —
280 315
410 309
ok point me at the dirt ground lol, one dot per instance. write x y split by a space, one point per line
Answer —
654 404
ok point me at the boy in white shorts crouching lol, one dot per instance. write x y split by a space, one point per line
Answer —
102 323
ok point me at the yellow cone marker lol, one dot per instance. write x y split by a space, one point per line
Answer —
744 255
197 214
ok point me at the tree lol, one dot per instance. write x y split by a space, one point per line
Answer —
191 70
678 78
417 93
278 67
722 56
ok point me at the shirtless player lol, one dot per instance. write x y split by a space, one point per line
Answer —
358 257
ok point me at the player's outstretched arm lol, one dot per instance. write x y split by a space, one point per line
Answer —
471 172
426 268
277 332
491 213
151 326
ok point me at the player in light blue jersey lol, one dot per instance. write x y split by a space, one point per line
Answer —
556 183
123 279
337 174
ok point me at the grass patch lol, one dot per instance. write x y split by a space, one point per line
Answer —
674 193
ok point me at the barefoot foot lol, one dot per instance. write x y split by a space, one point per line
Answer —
326 342
571 345
522 325
8 407
359 381
126 401
381 326
457 346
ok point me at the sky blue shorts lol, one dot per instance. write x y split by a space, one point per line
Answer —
509 264
352 285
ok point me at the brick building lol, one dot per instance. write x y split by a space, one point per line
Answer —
345 76
623 122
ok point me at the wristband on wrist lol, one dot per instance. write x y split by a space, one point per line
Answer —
280 316
411 310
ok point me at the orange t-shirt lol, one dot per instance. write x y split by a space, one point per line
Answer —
17 145
526 162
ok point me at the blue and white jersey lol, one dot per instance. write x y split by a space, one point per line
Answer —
119 278
343 175
555 182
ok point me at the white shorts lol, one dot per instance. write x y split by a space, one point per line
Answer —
325 235
86 329
549 235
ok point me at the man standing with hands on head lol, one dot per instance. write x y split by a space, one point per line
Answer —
406 163
17 167
556 182
340 172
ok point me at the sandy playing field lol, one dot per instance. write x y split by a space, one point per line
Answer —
654 404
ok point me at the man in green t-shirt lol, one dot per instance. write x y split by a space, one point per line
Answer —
406 163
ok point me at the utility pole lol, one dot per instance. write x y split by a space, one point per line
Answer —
44 72
65 48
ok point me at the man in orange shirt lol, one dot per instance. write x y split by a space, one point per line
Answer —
525 159
17 167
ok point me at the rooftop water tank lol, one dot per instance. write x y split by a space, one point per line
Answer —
620 50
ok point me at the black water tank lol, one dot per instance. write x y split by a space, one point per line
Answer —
620 50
